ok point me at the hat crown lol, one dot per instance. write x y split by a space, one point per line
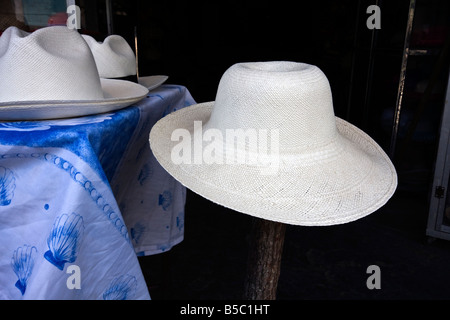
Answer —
52 63
294 98
114 56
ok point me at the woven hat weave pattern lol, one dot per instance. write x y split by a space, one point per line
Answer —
114 56
54 67
329 171
35 66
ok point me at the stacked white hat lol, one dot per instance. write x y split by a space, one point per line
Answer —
116 60
114 56
51 73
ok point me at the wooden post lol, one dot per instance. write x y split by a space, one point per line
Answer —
264 260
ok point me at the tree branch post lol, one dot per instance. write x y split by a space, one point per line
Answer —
264 259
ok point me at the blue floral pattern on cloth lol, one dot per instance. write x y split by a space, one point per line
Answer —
64 240
121 288
165 199
22 263
136 232
60 185
77 134
153 190
45 125
180 221
145 173
7 186
68 225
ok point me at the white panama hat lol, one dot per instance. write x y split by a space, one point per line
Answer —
329 171
114 56
115 59
51 73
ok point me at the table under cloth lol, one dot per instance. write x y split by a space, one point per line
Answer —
81 198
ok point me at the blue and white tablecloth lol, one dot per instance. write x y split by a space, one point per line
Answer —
80 198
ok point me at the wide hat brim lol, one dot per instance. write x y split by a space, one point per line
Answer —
352 179
152 82
117 94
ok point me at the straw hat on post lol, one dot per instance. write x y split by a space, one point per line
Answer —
320 170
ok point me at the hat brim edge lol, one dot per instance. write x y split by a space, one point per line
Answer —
118 94
159 135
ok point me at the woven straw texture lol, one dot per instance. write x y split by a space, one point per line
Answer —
114 57
54 68
328 171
